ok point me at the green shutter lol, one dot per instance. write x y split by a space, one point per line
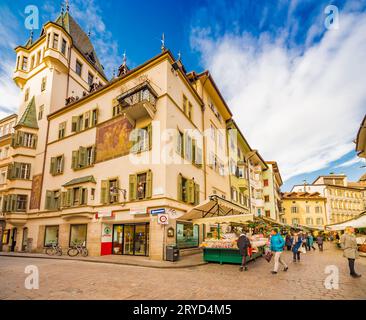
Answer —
62 163
20 138
149 184
149 134
198 156
10 172
63 199
34 141
117 185
13 202
180 188
5 199
69 196
85 195
132 186
16 170
75 158
82 157
53 166
190 191
49 196
74 124
194 150
196 194
14 139
104 192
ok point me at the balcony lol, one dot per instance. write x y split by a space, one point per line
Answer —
20 77
243 184
138 102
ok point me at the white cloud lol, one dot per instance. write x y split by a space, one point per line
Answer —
350 162
9 34
301 109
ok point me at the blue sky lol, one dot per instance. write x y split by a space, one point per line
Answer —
296 89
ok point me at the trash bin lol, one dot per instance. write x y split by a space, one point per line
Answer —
172 253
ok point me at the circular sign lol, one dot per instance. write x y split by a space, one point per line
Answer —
163 219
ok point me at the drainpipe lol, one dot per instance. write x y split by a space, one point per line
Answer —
204 138
250 202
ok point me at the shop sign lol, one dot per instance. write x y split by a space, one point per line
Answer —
103 214
157 211
138 210
163 219
106 233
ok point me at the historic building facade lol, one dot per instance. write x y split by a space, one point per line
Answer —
98 162
304 209
345 200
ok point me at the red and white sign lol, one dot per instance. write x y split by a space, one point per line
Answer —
163 218
103 214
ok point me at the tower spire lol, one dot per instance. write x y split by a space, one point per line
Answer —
67 5
163 42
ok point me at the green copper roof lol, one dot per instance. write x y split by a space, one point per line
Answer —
81 180
80 39
29 117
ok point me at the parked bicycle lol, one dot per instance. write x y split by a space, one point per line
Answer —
78 249
55 249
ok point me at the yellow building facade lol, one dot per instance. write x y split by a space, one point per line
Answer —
303 208
113 163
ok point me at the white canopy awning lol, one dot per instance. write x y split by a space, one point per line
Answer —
358 222
214 207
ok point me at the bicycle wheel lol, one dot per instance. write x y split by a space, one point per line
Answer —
50 251
84 252
72 252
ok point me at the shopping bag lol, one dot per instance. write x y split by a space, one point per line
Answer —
268 256
250 251
302 249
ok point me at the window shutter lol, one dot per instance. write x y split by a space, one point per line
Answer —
149 184
10 172
185 146
93 155
82 157
180 188
74 124
20 138
13 202
53 166
49 195
194 150
198 156
87 116
149 136
190 191
14 139
132 186
62 163
75 158
64 199
34 141
69 198
85 192
117 185
178 143
196 194
17 170
5 201
104 192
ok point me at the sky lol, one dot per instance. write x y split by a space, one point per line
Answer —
295 84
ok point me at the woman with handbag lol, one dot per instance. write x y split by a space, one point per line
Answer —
349 245
243 244
297 246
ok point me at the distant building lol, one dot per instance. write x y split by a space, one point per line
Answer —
345 200
304 208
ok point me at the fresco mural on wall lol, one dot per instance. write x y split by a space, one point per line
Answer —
112 139
35 198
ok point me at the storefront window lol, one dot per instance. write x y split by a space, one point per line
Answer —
5 239
51 236
187 235
78 234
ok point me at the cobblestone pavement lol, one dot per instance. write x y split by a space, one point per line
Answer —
62 279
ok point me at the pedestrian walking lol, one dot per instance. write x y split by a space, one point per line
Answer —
243 243
288 241
296 245
277 244
350 251
310 242
320 241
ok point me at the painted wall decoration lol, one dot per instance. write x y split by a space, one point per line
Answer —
112 139
35 198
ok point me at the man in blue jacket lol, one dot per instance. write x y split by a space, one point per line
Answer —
277 244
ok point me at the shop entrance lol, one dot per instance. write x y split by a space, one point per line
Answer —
13 239
131 239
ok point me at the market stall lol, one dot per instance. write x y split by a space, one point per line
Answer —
221 222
